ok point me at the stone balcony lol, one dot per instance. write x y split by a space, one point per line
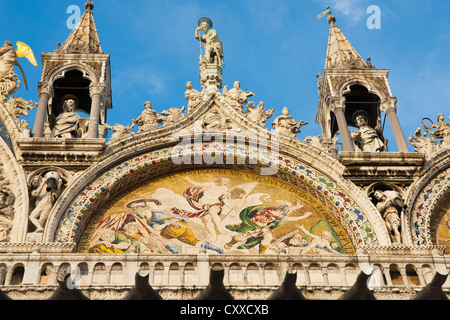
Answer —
397 274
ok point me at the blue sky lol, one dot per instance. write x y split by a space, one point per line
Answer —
274 48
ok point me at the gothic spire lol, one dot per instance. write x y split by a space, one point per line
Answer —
84 37
340 52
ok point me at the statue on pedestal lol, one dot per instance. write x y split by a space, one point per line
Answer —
367 139
149 119
213 44
67 123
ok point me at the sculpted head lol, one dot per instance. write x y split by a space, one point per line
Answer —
148 105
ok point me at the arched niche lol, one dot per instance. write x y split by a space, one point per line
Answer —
336 198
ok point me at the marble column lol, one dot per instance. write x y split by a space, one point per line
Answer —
339 111
390 109
45 92
96 91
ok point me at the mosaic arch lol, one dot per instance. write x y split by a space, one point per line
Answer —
427 211
135 195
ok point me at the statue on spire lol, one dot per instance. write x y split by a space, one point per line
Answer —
213 44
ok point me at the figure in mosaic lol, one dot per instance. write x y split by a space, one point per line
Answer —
257 225
207 200
213 44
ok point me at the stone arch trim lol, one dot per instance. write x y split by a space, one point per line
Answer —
60 71
424 202
15 175
346 202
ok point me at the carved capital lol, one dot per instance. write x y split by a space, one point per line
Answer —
96 89
46 87
388 105
337 103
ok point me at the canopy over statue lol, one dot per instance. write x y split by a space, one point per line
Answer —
213 44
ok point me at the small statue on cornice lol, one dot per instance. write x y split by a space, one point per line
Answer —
236 97
213 44
441 130
120 131
149 119
193 96
258 114
285 124
367 139
173 115
8 60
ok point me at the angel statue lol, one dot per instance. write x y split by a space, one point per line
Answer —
8 60
441 129
213 44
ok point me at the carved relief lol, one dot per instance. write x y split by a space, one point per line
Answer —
285 124
437 136
258 114
173 115
7 200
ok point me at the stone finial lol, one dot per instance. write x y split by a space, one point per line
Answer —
89 5
331 19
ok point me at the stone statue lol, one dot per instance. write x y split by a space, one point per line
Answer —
390 204
442 130
285 125
173 115
215 121
423 143
46 195
149 119
258 114
236 97
367 139
213 44
7 200
120 131
8 60
67 123
192 96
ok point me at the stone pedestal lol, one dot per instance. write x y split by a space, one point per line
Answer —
211 77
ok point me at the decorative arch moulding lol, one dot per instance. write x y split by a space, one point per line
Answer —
362 226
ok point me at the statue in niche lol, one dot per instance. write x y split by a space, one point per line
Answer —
285 125
149 119
67 123
7 200
390 204
258 114
48 191
367 139
173 115
213 44
236 97
192 96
